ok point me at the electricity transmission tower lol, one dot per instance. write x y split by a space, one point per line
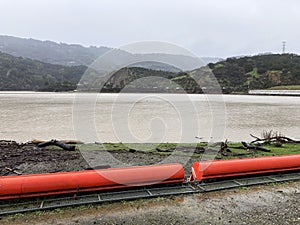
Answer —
283 47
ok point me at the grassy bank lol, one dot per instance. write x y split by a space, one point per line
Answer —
287 87
236 149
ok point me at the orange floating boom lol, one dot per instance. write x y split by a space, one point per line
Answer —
240 167
91 180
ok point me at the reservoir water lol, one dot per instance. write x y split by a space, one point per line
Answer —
145 117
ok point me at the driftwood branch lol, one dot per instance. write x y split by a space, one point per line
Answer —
256 138
254 147
71 142
251 147
281 139
188 149
224 150
58 144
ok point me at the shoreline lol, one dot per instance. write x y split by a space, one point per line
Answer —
271 92
250 93
29 158
275 203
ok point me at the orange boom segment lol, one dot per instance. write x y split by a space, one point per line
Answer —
240 167
91 180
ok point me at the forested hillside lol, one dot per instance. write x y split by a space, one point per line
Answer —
18 73
235 75
257 72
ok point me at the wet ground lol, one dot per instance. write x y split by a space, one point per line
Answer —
28 158
268 204
277 204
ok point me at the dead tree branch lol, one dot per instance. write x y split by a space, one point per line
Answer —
58 144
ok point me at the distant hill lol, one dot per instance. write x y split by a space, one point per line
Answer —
257 72
235 75
74 55
50 52
156 66
17 73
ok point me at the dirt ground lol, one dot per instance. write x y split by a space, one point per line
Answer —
27 158
268 204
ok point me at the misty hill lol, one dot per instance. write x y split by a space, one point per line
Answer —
155 61
50 52
136 79
72 55
151 65
238 75
233 74
17 73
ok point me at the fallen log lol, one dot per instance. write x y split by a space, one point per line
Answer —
71 142
224 149
164 150
281 139
187 149
254 147
58 144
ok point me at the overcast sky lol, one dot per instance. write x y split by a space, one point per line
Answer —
219 28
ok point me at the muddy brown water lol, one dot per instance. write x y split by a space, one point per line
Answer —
145 117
